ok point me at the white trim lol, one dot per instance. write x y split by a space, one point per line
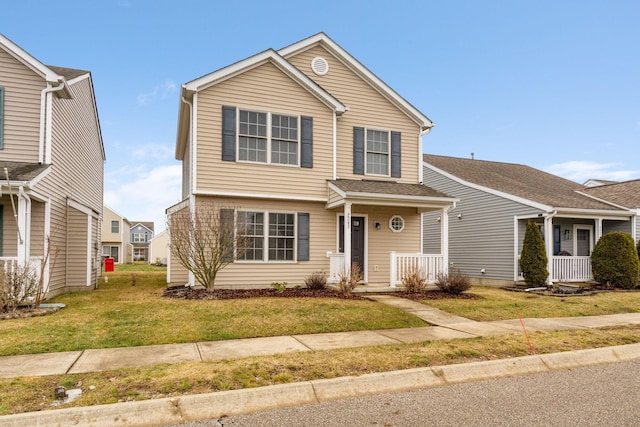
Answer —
577 227
347 242
82 208
254 61
259 196
193 144
391 223
507 196
354 65
334 147
516 230
266 236
178 206
28 60
89 255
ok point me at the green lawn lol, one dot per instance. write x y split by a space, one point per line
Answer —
501 304
119 314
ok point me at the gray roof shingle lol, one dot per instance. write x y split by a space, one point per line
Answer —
387 187
19 171
518 180
625 193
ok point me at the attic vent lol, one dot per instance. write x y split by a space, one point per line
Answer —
319 66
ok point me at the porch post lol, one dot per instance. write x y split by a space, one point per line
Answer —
598 230
347 238
444 239
548 243
24 225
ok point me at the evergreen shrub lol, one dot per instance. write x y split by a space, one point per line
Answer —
615 262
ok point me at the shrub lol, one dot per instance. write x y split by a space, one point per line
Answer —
614 261
349 280
279 287
638 249
533 259
414 281
453 283
316 280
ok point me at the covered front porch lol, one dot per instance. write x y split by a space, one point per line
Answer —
570 238
379 229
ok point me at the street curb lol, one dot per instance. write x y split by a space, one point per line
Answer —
236 402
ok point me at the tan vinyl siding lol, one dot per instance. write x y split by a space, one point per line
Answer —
77 248
22 88
186 172
37 229
176 273
367 108
96 250
267 89
322 239
9 229
77 175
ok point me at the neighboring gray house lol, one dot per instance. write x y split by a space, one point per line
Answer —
486 228
623 194
140 235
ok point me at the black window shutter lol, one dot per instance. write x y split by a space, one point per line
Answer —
227 234
306 149
303 237
229 134
358 151
396 151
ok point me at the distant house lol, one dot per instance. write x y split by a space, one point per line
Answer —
624 194
597 182
140 235
497 200
116 241
159 248
51 171
317 157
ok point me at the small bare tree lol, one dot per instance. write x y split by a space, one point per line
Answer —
206 240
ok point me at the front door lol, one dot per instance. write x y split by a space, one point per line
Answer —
357 240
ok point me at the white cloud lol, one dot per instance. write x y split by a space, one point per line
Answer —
161 91
146 196
582 170
153 151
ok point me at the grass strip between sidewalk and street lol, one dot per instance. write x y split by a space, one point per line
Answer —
28 394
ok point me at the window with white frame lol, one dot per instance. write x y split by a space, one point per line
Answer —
274 231
396 223
111 252
377 152
115 227
139 237
268 138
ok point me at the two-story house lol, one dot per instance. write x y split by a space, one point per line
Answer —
318 158
140 235
51 171
116 241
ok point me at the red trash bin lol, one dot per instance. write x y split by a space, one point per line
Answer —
108 264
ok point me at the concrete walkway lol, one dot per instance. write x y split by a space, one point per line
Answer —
445 326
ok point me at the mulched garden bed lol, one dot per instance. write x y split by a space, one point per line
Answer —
25 312
224 294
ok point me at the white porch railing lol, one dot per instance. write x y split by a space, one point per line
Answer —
336 266
10 265
402 264
571 269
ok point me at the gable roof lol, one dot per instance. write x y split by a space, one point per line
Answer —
531 186
625 193
47 73
68 73
146 224
363 72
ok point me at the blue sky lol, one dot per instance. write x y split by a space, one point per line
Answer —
551 84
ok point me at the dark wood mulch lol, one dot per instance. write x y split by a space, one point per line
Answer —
25 312
224 294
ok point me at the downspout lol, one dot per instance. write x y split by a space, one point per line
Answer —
26 224
192 177
335 145
44 97
423 132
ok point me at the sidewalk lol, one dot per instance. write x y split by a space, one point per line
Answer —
446 326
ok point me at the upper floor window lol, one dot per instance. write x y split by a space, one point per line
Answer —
115 227
139 237
377 152
264 137
268 138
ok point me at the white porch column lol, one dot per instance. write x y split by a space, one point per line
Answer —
634 222
444 239
548 243
24 226
598 230
347 237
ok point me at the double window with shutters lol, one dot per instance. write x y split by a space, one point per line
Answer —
265 137
272 236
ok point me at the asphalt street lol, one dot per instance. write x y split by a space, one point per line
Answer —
602 395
